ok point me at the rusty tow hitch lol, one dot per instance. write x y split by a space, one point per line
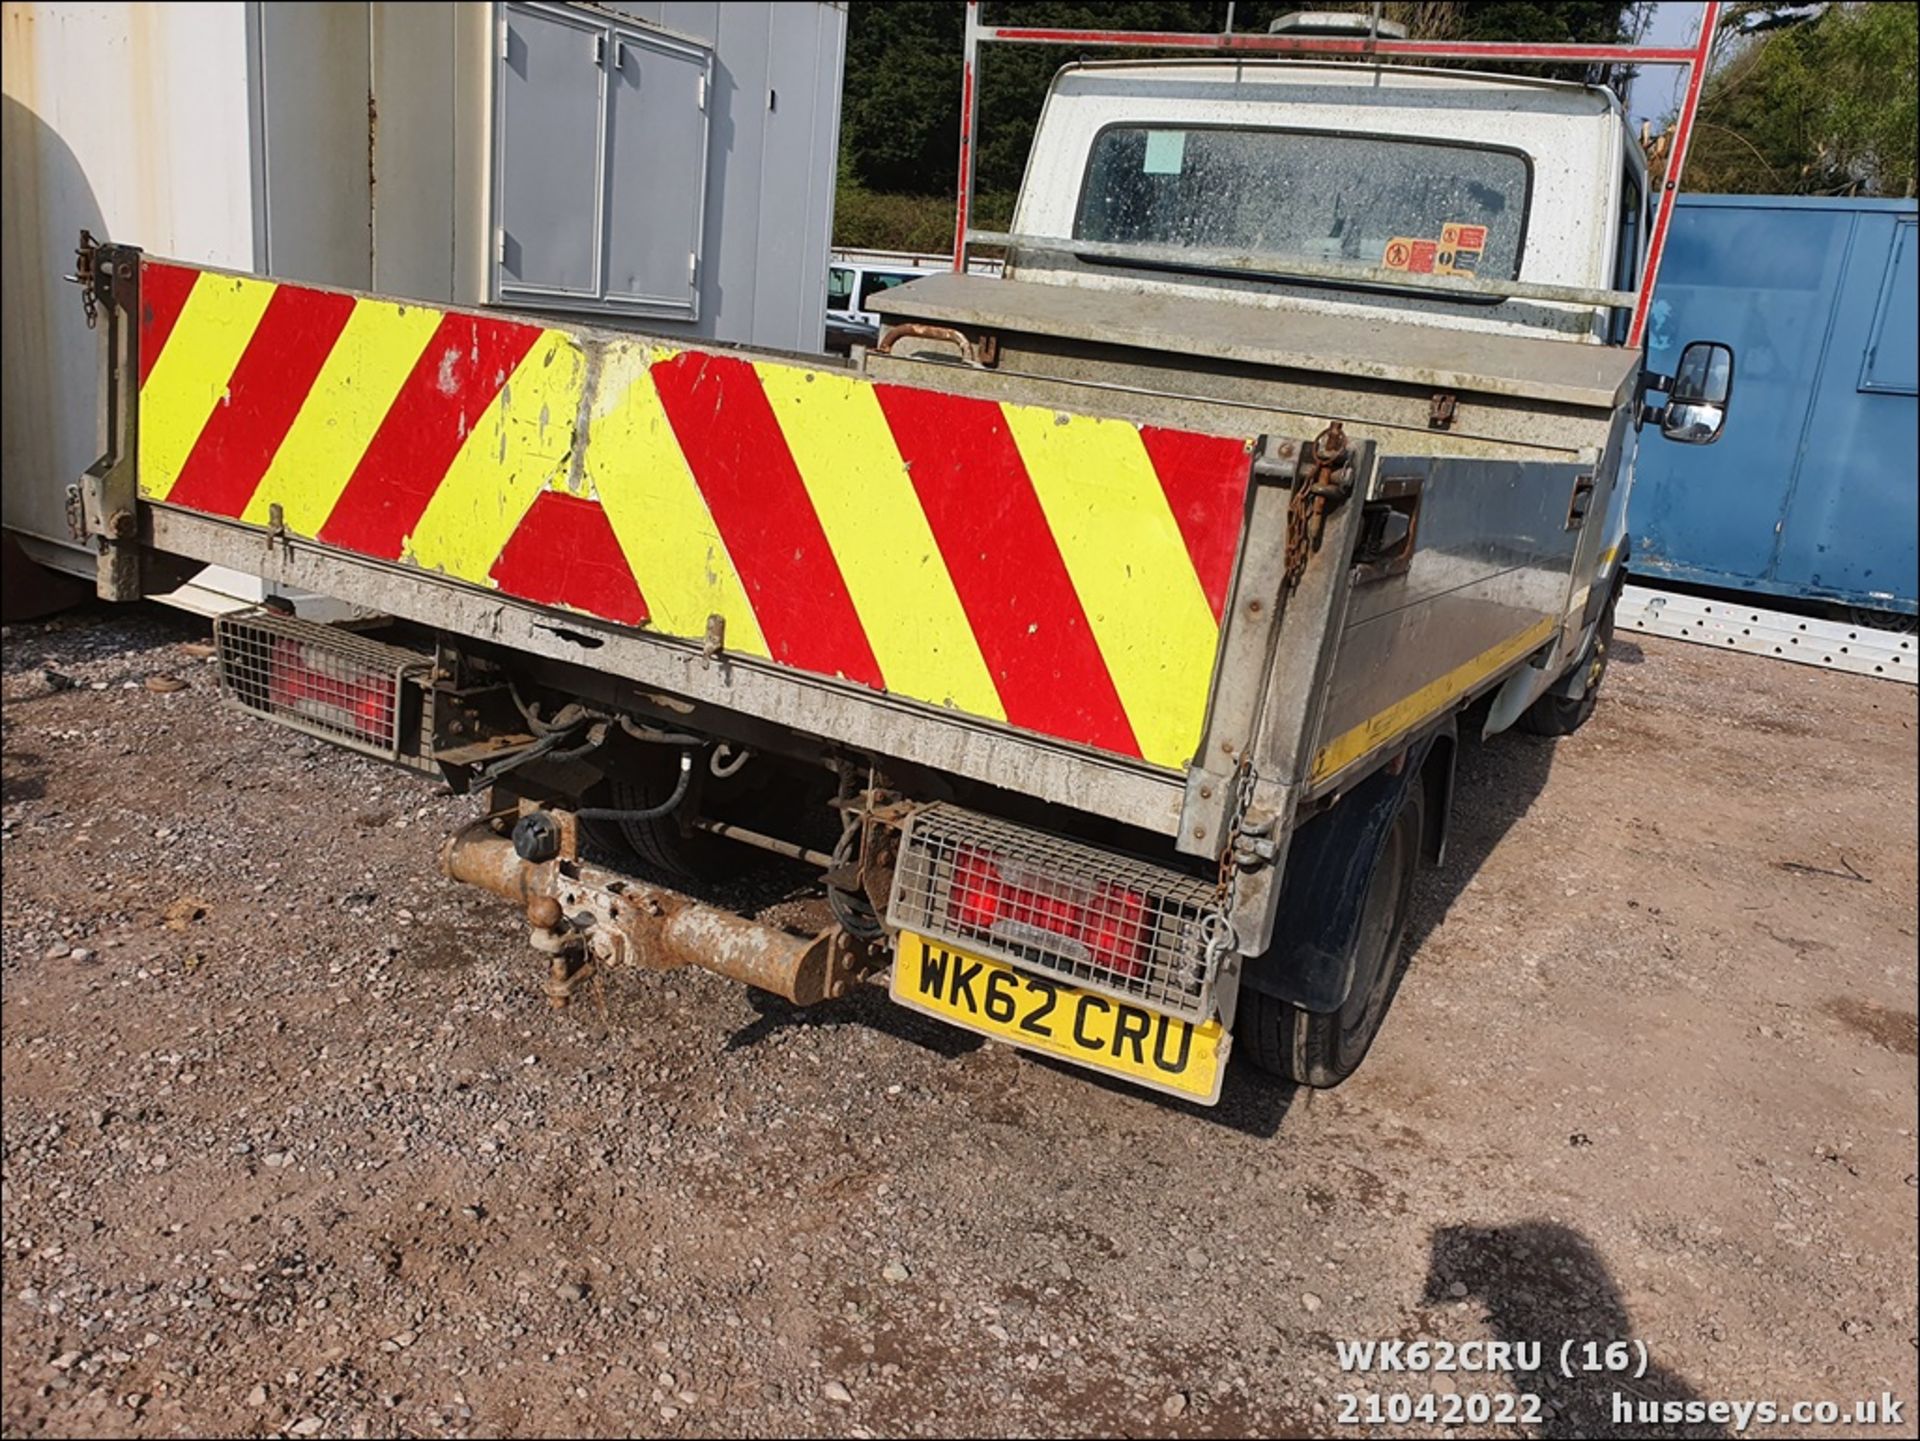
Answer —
583 917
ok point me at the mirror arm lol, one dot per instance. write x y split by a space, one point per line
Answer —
1643 412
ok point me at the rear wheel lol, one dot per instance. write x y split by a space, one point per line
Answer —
1314 1048
1558 715
662 843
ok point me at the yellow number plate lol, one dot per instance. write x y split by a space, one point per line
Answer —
1144 1046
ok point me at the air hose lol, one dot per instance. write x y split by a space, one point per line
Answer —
650 813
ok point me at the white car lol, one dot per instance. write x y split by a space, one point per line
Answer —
850 284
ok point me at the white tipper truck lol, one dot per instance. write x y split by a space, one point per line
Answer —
1114 616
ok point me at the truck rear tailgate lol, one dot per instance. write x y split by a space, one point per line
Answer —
1057 576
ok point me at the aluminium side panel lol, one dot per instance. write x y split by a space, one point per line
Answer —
1486 585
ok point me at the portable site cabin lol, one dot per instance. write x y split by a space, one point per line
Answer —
665 165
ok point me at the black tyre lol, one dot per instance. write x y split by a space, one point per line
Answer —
1557 715
1322 1049
662 843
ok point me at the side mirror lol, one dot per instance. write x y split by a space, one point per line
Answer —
1698 394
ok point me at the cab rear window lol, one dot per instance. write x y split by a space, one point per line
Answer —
1418 206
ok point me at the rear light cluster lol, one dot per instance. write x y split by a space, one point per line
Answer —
1092 916
327 680
306 682
1104 924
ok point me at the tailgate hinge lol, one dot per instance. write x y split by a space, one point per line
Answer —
104 503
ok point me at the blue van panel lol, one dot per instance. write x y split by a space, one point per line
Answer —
1812 490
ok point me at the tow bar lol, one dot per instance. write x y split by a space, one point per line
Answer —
583 917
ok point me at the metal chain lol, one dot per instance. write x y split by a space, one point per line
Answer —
1217 927
83 277
1324 482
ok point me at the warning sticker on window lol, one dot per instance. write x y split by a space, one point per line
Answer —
1456 252
1410 253
1460 249
1166 152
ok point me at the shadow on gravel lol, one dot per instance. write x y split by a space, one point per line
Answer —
1544 1284
1251 1102
98 630
23 778
869 1009
1495 783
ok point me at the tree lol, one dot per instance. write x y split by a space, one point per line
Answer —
899 126
1811 100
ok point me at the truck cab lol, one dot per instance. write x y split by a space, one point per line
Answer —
1433 269
1423 172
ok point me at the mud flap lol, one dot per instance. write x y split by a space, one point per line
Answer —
1310 962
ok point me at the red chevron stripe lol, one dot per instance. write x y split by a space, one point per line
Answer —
565 553
1006 567
739 458
163 295
295 334
1205 478
449 389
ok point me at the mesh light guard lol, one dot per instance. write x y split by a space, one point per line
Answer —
937 893
316 678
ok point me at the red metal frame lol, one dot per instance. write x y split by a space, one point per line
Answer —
1693 58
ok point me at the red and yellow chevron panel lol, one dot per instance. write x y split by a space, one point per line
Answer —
1059 573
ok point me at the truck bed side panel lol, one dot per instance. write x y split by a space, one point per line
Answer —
1060 574
1488 585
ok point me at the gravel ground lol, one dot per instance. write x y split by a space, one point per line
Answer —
294 1146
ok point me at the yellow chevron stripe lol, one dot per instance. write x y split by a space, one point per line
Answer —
1429 700
520 444
858 484
656 510
350 397
1125 555
190 377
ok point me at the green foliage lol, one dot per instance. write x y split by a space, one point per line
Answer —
1820 104
871 220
